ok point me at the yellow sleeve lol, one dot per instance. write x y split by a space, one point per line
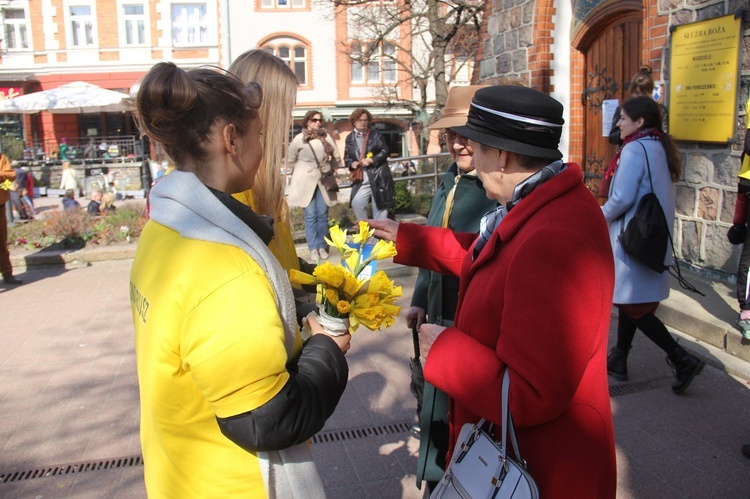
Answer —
232 344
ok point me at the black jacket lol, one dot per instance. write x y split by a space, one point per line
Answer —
383 189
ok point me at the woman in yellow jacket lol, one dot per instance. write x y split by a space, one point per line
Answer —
228 392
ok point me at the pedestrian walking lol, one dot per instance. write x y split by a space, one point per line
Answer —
648 161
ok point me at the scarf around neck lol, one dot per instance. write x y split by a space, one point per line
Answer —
609 173
491 220
320 134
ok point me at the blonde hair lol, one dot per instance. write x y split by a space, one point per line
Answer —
279 85
108 199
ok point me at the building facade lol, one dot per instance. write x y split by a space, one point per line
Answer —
324 42
48 43
584 52
111 44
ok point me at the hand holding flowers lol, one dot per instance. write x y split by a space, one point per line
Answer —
343 297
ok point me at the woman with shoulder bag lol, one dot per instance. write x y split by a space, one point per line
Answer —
647 162
312 155
366 156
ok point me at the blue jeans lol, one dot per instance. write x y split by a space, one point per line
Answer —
316 222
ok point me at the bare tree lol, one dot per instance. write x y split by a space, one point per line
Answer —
430 42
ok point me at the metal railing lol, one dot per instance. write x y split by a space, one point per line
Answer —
424 167
96 149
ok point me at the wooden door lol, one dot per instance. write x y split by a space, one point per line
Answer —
612 58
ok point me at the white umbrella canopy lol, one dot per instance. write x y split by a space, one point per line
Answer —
72 98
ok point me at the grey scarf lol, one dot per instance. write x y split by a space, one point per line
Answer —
491 220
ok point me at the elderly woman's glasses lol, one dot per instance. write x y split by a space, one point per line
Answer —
448 137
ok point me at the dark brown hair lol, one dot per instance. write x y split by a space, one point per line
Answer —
178 108
359 112
309 115
642 83
646 107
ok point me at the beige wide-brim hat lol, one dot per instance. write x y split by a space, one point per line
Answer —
456 107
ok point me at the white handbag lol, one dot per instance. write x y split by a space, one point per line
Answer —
480 466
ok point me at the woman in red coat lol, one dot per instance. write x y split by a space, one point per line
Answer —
535 297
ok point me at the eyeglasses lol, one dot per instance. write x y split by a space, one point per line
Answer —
316 120
448 137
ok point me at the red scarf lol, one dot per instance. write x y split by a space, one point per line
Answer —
610 171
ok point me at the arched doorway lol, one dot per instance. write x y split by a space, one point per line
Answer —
612 53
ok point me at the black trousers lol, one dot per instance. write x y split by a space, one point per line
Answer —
742 271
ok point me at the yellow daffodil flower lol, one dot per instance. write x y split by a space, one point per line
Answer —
352 285
338 240
383 249
344 307
331 296
332 275
364 233
300 277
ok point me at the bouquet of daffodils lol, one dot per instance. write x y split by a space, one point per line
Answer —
346 301
7 185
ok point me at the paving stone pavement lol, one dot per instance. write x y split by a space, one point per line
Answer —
69 405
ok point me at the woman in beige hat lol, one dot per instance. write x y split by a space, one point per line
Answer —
459 203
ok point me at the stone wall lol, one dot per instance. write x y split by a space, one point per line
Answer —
517 43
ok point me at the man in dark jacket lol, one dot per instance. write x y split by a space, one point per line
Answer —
366 156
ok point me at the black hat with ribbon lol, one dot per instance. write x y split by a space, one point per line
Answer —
515 119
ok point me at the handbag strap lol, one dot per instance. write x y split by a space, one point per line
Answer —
648 166
673 271
509 429
314 155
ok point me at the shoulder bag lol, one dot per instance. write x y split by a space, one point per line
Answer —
481 467
327 177
647 233
646 236
357 174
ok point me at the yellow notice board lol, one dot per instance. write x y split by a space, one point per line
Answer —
704 80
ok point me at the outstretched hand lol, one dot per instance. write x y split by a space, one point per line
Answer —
385 229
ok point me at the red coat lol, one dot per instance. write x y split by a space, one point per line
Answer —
539 302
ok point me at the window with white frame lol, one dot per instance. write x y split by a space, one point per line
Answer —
283 4
381 66
81 22
15 27
189 23
134 24
294 53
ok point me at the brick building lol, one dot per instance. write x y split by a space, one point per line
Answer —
584 52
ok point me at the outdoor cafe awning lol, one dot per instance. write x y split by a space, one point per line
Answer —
72 98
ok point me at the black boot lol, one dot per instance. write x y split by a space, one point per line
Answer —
617 363
685 366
